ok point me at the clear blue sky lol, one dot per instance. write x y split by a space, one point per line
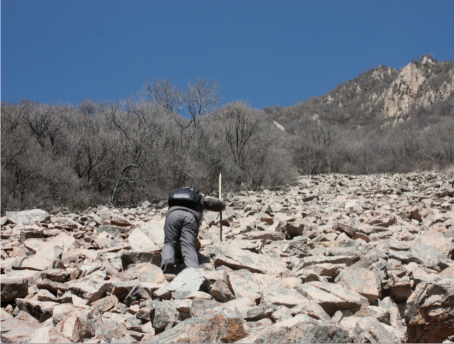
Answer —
265 52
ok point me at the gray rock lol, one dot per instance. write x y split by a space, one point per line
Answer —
17 331
282 297
13 289
91 290
131 258
26 217
427 256
140 242
114 231
164 315
378 313
243 259
332 297
300 329
221 291
281 314
360 280
312 309
41 310
189 279
370 330
211 328
94 326
429 312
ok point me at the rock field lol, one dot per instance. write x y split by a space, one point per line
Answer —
334 258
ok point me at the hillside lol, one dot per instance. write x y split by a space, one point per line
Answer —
335 258
382 94
127 151
384 120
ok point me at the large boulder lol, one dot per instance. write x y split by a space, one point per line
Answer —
155 231
332 297
91 290
426 255
187 280
310 308
242 259
26 217
140 242
17 331
360 280
301 329
282 296
242 284
41 310
47 335
370 330
204 329
429 313
13 288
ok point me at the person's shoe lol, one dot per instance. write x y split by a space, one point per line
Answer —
168 266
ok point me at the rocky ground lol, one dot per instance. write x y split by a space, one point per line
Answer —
335 258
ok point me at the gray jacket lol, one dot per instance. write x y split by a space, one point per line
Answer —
206 203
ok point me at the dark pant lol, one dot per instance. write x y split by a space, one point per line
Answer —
181 226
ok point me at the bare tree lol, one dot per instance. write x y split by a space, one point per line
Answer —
201 98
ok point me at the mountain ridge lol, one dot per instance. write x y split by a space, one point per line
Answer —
381 93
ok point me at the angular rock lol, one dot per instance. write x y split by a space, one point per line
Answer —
317 260
259 312
26 217
310 308
165 314
41 310
243 259
189 279
281 314
427 256
71 329
114 231
61 311
155 231
129 258
119 221
94 326
17 331
370 330
140 242
360 280
105 304
191 294
13 288
201 307
221 291
300 329
91 289
378 313
57 275
47 335
244 287
429 313
137 294
282 297
149 273
43 259
204 329
332 297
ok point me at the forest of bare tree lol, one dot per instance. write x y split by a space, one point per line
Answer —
122 153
